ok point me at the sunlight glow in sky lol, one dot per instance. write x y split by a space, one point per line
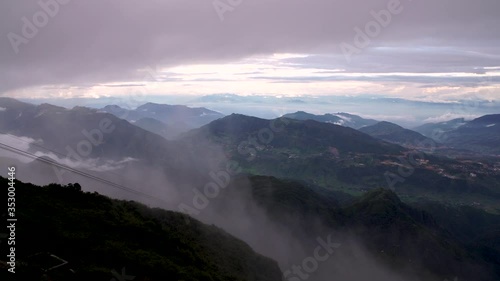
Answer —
280 74
427 50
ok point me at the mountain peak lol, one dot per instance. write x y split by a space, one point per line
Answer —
490 119
388 124
394 133
378 206
342 119
113 106
14 104
45 107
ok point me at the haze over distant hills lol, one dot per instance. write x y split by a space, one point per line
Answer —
307 136
396 134
433 130
232 140
480 135
341 118
66 131
375 107
174 119
289 179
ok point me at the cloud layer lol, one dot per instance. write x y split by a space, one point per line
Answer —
88 43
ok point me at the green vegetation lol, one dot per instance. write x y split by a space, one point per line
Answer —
343 159
96 235
427 239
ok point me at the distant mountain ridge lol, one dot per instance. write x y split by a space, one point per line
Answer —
166 113
341 118
396 134
431 130
337 157
304 135
479 135
160 128
176 118
80 132
323 155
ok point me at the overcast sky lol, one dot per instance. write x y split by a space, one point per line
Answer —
420 49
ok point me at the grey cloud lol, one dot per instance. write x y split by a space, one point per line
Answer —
470 81
99 41
408 59
125 85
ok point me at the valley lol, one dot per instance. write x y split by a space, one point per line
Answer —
233 140
258 178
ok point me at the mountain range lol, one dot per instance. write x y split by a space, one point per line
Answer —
391 132
481 135
343 119
456 136
79 132
173 119
346 160
279 185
